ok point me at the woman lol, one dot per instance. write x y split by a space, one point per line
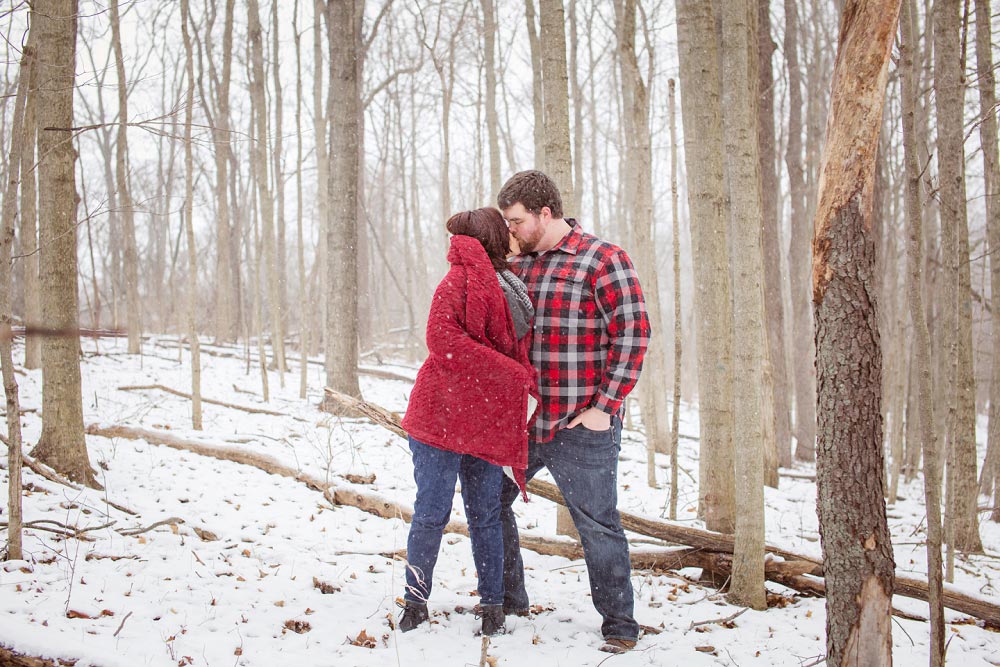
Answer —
468 411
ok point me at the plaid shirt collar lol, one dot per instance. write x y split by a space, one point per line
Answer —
569 243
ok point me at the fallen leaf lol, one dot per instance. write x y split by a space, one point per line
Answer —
364 640
205 535
705 649
72 613
300 627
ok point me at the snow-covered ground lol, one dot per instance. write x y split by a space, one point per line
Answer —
255 595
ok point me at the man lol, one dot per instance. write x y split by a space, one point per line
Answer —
589 338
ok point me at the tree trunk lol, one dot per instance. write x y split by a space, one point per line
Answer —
492 132
803 353
342 324
990 481
857 553
265 209
675 216
226 321
19 133
279 308
701 117
62 444
537 91
192 280
638 163
771 238
558 160
576 94
921 339
29 222
739 87
990 477
304 322
961 510
132 313
323 212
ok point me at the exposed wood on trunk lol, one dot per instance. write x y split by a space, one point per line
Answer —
857 551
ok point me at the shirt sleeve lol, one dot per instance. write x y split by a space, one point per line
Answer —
619 296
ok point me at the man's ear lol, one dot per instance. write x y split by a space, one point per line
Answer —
545 213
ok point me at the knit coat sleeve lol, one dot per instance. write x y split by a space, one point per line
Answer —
452 333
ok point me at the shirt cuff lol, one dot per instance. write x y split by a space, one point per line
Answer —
607 404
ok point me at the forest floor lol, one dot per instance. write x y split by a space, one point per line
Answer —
264 571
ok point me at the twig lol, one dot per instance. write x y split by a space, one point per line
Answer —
244 408
818 661
482 654
727 619
132 532
122 625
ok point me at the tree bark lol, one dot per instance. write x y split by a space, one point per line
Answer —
552 44
857 552
29 222
265 210
304 321
192 279
323 212
921 339
962 485
133 319
492 131
701 117
771 238
62 445
537 91
19 133
675 215
739 87
990 479
638 164
342 236
226 321
803 352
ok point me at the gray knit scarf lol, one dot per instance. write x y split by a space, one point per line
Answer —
517 298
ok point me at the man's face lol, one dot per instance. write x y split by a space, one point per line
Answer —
526 227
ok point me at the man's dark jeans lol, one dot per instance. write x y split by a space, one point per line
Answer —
584 464
435 471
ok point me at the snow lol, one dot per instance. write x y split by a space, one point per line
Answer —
168 597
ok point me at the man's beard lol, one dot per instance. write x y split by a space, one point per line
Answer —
529 244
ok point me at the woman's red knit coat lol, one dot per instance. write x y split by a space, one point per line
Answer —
471 394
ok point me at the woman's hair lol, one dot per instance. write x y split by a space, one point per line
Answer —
487 226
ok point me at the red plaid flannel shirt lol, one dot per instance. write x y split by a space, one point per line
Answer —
591 329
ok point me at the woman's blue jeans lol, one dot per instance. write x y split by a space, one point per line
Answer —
435 471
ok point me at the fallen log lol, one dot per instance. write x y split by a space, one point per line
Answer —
796 572
10 658
212 401
708 541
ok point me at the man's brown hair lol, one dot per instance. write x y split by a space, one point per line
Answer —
533 190
487 226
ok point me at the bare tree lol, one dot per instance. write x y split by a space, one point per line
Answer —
132 313
29 222
961 516
19 131
803 352
921 339
265 209
739 103
192 281
675 216
555 83
857 553
492 131
771 237
701 116
537 90
990 478
343 30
